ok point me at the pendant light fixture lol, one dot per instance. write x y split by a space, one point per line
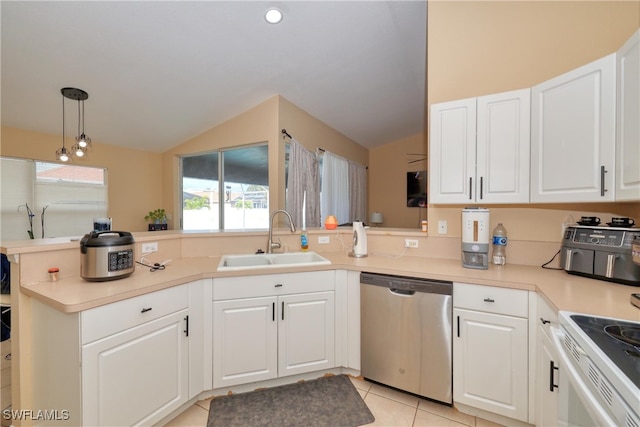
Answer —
83 142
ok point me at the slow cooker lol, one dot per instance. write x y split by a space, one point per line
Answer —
107 255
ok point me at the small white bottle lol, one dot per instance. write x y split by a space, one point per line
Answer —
499 245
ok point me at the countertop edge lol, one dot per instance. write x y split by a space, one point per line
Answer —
561 290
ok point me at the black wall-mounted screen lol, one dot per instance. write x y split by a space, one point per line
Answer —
417 189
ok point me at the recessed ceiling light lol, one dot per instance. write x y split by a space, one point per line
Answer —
273 15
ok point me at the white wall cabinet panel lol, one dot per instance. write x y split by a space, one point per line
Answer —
502 149
628 120
573 135
452 156
479 149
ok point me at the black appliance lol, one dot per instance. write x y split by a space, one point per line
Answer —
603 253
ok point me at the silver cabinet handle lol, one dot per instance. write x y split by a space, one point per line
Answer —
611 261
470 188
144 310
489 300
602 189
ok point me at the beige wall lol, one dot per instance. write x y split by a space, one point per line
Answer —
313 133
482 47
262 123
256 125
140 181
134 176
388 165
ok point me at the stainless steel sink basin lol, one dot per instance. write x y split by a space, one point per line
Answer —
280 260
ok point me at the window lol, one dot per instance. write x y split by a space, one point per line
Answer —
63 198
226 189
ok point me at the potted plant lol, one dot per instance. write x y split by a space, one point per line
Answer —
157 220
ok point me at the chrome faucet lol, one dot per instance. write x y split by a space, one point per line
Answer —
277 245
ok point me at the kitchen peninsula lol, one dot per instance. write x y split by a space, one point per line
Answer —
193 262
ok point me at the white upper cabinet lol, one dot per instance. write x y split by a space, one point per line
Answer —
502 147
479 149
573 134
628 120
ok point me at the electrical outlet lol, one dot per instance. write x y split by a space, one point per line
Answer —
410 243
324 240
148 248
442 227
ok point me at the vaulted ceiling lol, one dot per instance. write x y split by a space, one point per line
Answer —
161 72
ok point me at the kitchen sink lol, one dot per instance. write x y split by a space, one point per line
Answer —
279 260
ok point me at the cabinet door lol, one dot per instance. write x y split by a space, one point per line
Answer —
244 341
452 155
547 376
628 124
306 336
490 363
573 135
502 147
137 376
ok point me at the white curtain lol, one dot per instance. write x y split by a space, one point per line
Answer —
303 179
335 187
357 192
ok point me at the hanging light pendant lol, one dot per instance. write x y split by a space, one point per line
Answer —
79 149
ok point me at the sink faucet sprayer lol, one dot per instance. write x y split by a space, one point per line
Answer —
270 244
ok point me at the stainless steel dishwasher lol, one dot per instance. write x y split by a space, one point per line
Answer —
406 334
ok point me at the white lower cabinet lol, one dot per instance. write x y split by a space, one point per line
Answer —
261 331
547 368
138 375
490 349
124 363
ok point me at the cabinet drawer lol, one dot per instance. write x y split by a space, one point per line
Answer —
108 319
272 284
512 302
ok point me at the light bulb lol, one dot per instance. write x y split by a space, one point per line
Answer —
78 150
83 141
273 16
62 154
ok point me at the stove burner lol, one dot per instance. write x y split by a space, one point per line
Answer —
627 334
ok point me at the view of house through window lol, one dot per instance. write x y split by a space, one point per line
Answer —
226 189
42 199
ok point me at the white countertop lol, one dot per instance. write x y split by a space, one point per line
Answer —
562 290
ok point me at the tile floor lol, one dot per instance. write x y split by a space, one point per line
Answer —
390 407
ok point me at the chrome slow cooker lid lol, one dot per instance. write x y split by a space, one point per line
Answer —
97 239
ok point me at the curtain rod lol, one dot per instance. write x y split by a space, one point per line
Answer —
285 133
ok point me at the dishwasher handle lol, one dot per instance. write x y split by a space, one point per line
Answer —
402 292
404 283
